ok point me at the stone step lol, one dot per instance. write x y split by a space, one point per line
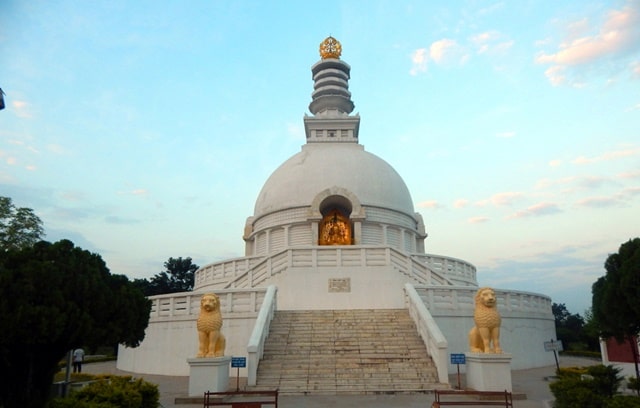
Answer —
345 352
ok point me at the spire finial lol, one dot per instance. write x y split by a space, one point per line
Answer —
330 48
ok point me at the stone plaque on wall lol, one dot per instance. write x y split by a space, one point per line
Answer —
340 285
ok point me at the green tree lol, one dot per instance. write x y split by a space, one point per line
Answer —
616 297
560 312
19 227
590 331
179 276
573 330
53 298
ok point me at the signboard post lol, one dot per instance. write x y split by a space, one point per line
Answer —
554 346
457 359
238 362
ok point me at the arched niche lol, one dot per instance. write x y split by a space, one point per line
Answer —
336 214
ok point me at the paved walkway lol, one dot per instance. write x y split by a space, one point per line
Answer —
530 384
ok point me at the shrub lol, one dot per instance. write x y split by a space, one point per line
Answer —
633 383
114 392
573 392
590 387
606 379
623 401
571 371
582 353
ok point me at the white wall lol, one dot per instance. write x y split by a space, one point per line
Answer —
522 337
527 322
370 288
171 337
168 345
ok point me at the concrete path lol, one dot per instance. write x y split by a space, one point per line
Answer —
530 384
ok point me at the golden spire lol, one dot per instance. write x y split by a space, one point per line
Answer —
330 48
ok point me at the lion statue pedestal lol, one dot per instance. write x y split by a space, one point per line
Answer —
208 374
209 371
488 372
488 367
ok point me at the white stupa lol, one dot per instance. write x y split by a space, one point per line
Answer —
334 227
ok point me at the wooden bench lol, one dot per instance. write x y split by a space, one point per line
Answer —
241 399
450 398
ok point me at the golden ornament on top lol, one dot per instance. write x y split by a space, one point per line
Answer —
330 48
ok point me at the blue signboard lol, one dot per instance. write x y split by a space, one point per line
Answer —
458 359
238 362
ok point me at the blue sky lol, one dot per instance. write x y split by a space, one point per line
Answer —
143 130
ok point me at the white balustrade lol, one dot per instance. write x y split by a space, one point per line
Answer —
255 347
429 331
253 271
437 297
187 304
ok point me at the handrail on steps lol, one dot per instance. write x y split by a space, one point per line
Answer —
437 345
255 348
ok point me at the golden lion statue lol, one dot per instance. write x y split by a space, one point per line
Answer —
485 336
212 342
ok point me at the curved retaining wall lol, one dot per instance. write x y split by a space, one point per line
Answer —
527 322
171 337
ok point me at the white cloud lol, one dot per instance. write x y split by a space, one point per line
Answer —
630 192
506 135
451 52
135 192
501 199
633 108
460 203
556 75
598 202
477 220
634 174
115 219
444 51
419 59
22 109
57 149
72 196
491 42
537 210
429 204
635 69
607 156
574 183
617 37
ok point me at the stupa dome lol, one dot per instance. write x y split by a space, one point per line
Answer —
321 166
332 159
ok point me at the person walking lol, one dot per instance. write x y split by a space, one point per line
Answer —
78 358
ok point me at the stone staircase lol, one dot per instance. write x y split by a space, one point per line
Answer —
345 352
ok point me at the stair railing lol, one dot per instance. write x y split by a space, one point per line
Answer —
255 348
434 340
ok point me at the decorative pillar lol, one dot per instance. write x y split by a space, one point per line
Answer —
315 230
357 232
286 236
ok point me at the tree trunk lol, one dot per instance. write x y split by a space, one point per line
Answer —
633 342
